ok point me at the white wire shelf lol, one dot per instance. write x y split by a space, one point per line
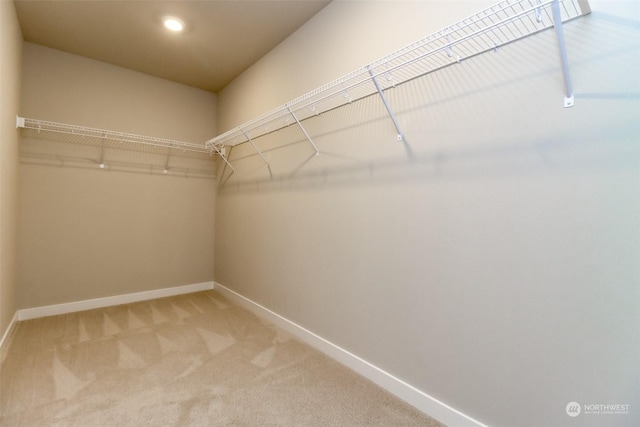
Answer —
485 31
104 135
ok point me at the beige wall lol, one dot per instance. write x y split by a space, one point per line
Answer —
492 261
88 233
10 52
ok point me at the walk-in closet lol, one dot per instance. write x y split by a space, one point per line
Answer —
320 212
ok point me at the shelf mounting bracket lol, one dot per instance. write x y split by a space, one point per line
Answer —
166 162
557 25
217 150
104 136
303 130
386 103
257 151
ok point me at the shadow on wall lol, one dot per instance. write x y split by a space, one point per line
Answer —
529 158
58 150
498 114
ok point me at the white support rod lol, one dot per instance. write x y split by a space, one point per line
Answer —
386 104
215 147
557 24
257 151
166 163
102 152
303 130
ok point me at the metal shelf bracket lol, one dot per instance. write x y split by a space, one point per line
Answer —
538 11
386 103
221 151
303 130
246 135
104 136
166 162
557 25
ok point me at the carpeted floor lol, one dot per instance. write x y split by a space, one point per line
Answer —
190 360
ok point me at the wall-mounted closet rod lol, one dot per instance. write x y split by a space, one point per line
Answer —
103 135
485 31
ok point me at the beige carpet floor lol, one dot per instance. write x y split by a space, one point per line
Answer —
190 360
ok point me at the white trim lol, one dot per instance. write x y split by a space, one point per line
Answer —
70 307
8 332
417 398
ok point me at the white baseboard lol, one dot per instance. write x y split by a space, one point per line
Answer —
70 307
7 333
420 400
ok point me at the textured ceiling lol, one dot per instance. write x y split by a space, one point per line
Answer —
222 39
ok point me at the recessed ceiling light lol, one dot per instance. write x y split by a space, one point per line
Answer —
173 24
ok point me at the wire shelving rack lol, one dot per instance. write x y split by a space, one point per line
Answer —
486 31
103 134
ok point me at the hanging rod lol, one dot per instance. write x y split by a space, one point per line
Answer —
493 27
102 134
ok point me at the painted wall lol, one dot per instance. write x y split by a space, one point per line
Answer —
492 260
88 233
10 62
